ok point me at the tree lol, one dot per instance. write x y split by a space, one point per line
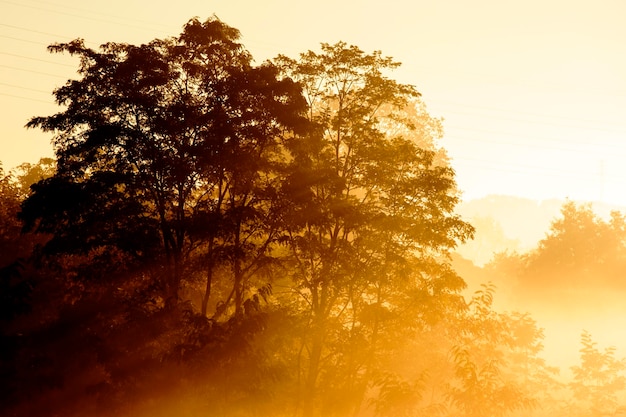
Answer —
18 278
581 256
9 224
179 161
159 151
496 364
369 218
27 174
15 247
598 379
14 289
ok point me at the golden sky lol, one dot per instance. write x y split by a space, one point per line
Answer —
533 93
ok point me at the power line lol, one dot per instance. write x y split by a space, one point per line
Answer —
476 164
448 138
544 122
616 151
98 13
26 98
489 77
32 30
518 168
517 112
37 59
32 71
22 40
473 139
496 79
75 15
24 88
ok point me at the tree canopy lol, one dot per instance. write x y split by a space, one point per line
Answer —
220 237
158 141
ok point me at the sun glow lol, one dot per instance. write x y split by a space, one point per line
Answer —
237 272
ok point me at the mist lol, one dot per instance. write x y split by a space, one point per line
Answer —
579 289
218 236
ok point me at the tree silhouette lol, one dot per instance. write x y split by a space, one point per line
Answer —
309 202
370 217
159 142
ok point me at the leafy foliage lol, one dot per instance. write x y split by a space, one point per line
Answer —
491 346
370 213
158 140
223 238
579 248
599 378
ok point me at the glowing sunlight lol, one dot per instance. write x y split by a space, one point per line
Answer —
313 208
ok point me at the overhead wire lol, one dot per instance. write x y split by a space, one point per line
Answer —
22 40
26 98
517 112
31 71
548 142
114 16
75 15
595 126
37 59
38 32
549 121
25 88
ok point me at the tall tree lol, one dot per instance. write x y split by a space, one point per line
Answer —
158 142
370 214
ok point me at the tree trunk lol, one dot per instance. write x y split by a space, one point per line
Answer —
207 292
238 287
237 272
173 282
209 280
310 389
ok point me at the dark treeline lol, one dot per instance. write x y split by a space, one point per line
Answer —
216 237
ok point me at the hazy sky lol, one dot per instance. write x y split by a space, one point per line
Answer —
533 93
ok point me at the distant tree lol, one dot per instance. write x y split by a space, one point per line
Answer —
598 379
17 283
27 174
16 248
581 250
159 152
369 218
14 290
9 224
